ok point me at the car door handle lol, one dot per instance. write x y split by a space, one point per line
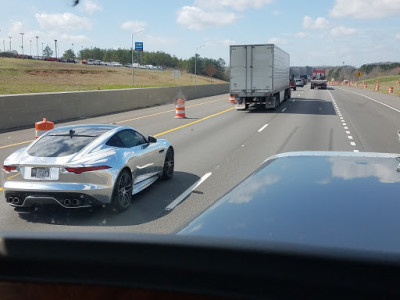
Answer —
161 151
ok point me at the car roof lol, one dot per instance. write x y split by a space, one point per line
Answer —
325 199
84 129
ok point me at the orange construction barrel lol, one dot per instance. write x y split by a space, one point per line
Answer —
391 90
232 99
180 108
42 127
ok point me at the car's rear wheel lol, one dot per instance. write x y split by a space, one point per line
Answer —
122 194
168 169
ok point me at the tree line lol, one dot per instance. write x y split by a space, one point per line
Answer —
196 65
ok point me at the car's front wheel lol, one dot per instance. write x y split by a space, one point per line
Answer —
168 169
122 194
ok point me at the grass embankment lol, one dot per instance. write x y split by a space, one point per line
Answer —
384 84
19 76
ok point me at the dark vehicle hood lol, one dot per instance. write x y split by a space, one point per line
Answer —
328 199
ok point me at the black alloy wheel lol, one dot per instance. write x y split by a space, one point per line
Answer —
122 195
168 169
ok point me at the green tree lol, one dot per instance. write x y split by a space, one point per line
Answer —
69 54
47 52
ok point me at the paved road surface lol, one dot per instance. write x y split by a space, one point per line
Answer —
221 146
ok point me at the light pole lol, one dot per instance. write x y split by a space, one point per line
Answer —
4 45
195 64
22 46
30 47
10 42
37 46
133 81
55 47
42 49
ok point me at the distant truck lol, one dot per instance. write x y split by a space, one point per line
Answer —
318 79
259 76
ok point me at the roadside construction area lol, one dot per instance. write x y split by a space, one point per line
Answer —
20 110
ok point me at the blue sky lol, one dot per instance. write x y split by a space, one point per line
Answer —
328 32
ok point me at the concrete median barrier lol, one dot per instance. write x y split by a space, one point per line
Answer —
25 109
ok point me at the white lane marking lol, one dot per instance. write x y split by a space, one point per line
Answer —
293 100
187 192
262 128
283 109
371 99
343 122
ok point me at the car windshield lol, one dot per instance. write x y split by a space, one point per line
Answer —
192 97
57 146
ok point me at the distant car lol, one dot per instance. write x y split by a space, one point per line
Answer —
115 64
86 165
293 84
299 82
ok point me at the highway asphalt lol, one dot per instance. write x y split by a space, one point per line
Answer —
217 147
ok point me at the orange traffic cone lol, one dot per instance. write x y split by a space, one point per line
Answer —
42 127
180 108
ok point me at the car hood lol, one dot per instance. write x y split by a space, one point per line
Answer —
329 199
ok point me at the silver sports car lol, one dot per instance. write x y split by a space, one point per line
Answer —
86 165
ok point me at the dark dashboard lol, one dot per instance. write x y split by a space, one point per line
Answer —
100 266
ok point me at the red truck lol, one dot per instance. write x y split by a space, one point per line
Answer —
318 79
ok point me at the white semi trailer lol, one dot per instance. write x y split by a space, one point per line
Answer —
259 76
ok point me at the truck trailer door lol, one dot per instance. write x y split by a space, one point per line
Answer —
238 63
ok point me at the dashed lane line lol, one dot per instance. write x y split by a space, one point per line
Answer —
345 127
186 193
262 128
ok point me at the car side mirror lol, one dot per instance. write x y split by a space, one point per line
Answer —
151 139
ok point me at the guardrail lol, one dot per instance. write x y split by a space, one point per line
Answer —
25 109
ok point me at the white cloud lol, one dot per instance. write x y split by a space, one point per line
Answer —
65 21
90 6
275 12
157 41
318 23
302 34
365 9
79 38
134 26
196 18
398 36
277 40
342 30
228 42
16 28
215 13
234 4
